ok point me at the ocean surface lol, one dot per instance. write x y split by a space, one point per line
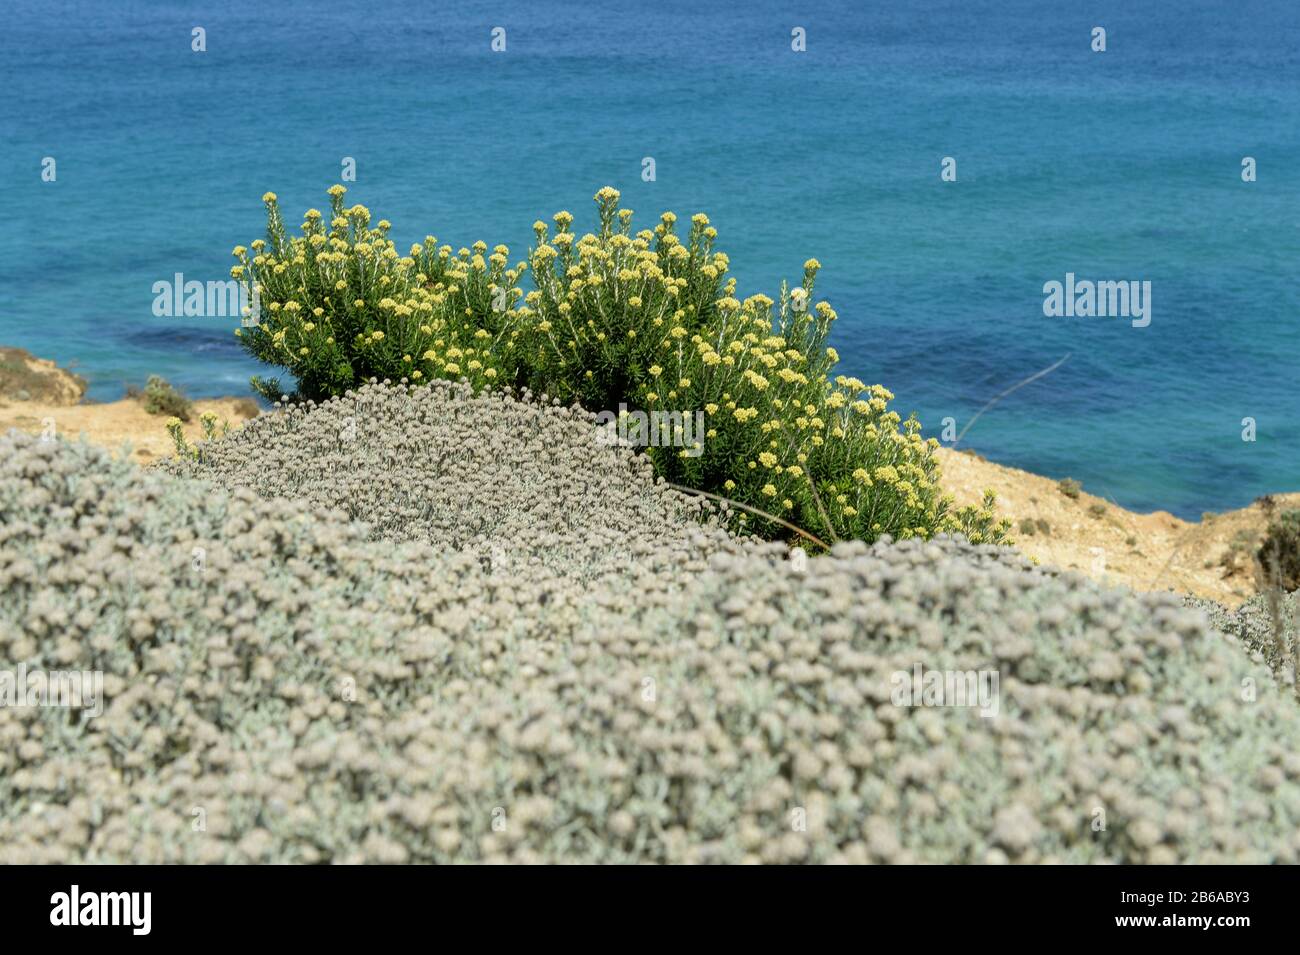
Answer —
1122 165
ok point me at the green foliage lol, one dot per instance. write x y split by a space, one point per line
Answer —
183 447
1279 554
1029 526
160 397
617 321
1069 487
209 421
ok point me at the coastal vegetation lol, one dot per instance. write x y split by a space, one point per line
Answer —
161 397
1279 552
612 320
398 626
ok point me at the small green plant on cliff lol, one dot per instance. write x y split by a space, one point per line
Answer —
160 397
619 321
176 428
1277 575
209 421
1279 553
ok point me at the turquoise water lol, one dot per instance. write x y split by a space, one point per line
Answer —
1117 165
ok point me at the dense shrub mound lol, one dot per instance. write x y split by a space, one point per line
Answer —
298 690
731 397
510 481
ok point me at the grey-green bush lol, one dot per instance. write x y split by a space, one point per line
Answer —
1279 553
1265 626
314 690
160 397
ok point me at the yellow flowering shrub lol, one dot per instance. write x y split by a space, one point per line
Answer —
339 304
645 319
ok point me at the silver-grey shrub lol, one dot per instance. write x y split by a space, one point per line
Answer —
516 481
322 690
1265 626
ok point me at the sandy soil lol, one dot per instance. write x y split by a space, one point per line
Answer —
1156 551
117 423
36 394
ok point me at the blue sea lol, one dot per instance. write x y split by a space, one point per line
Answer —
1119 165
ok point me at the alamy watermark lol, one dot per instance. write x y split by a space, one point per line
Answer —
1085 299
922 687
130 909
229 298
654 429
70 689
